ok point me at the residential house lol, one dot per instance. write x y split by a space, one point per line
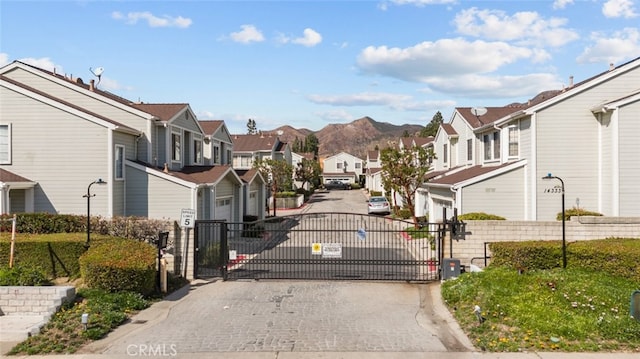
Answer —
247 148
343 167
494 161
218 149
58 135
373 172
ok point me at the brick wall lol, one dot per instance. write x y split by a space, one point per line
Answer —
577 229
43 301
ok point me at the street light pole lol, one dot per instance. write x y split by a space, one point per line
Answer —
564 243
88 197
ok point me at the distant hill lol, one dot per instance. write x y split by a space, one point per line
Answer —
355 138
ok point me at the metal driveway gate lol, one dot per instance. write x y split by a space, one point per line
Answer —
317 246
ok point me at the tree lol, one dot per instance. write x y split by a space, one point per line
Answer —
278 173
251 127
403 171
311 144
308 171
432 128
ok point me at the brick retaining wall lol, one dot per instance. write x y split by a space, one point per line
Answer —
577 229
44 301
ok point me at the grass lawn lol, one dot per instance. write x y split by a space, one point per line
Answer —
571 310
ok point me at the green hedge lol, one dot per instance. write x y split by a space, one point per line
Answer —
56 255
479 216
575 212
120 265
616 256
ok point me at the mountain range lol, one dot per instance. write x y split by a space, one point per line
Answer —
355 138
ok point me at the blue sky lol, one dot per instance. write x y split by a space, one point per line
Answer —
311 63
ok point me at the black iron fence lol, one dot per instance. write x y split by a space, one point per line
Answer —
318 246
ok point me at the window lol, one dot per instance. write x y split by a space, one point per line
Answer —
228 160
245 161
445 154
469 150
176 140
496 145
5 144
339 165
487 147
491 146
358 165
216 155
513 142
197 151
119 162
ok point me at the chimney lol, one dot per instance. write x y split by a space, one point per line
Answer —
166 168
571 81
611 66
92 85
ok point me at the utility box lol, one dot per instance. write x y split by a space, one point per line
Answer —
635 305
450 268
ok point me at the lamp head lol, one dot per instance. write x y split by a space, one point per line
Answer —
548 176
100 181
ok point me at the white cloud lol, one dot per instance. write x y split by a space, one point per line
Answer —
361 99
336 115
397 102
4 59
619 8
443 58
561 4
526 27
478 86
132 18
421 3
311 38
249 33
612 48
44 63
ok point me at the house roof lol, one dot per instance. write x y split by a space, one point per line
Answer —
8 176
466 174
201 174
163 111
211 126
373 154
421 141
253 143
448 129
118 125
248 175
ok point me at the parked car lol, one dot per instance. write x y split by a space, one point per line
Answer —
378 204
337 185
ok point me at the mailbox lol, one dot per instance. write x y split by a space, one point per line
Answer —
163 238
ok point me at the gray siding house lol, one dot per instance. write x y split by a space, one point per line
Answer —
493 161
61 134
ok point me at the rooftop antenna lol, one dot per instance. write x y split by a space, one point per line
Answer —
478 111
97 73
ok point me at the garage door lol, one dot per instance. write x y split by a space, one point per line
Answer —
223 209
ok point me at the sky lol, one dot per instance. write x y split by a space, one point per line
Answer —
311 63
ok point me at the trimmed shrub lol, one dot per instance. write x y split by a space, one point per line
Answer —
527 255
575 212
286 194
404 213
354 185
479 216
42 223
376 193
22 276
120 265
56 255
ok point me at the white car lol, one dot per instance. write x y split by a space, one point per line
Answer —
378 204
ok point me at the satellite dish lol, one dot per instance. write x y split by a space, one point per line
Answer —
279 132
97 72
478 111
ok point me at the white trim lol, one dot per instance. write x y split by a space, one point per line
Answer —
110 172
615 153
115 162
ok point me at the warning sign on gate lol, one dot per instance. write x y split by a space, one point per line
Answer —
332 250
316 249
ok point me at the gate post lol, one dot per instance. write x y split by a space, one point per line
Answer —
224 250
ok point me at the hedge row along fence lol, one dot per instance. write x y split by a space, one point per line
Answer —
616 256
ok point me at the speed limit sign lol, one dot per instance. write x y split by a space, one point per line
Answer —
187 218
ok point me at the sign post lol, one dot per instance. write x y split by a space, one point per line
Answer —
187 221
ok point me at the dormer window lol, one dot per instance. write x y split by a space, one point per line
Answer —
491 143
5 144
514 141
197 151
176 145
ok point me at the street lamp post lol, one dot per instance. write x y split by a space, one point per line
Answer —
88 197
564 243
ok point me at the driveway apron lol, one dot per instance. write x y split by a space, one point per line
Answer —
288 316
